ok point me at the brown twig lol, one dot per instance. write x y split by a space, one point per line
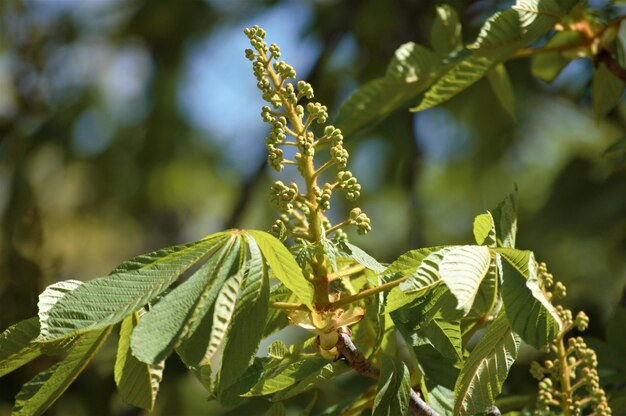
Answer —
360 364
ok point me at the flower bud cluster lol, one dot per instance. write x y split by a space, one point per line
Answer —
288 117
570 382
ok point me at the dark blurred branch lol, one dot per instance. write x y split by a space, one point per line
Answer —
360 364
611 64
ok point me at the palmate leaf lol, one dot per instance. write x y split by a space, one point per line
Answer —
440 374
394 389
280 375
501 32
107 300
444 335
45 388
505 220
531 315
410 63
48 298
178 313
537 17
248 321
284 266
486 368
361 257
137 382
463 269
314 379
17 346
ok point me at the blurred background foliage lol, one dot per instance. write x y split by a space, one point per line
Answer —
129 125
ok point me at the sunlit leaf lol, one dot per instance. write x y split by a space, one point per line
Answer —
282 376
485 230
284 266
531 315
17 346
361 257
137 382
248 320
45 388
501 32
179 312
445 34
463 269
458 78
486 368
537 16
107 300
314 379
505 219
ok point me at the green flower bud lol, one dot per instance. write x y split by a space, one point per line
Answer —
305 90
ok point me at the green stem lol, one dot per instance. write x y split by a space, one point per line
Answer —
288 306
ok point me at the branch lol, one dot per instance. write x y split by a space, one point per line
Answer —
612 65
356 360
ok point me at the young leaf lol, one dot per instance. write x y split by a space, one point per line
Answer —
394 389
606 90
17 346
486 368
502 88
505 219
485 230
179 313
107 300
284 266
248 320
137 382
527 309
445 336
445 35
45 388
463 269
281 376
362 257
316 378
427 273
222 314
457 79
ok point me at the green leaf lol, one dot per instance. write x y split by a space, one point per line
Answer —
48 298
394 389
457 79
17 346
531 315
107 300
485 230
283 375
501 86
314 379
45 388
423 266
277 350
440 374
445 336
179 313
445 35
505 219
284 266
137 382
248 322
463 269
537 17
500 33
411 63
606 90
486 368
361 257
423 309
427 274
547 66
